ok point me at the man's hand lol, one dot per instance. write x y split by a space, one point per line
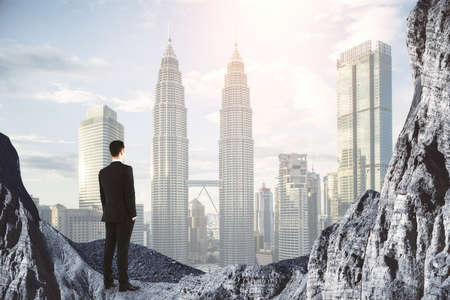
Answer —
133 219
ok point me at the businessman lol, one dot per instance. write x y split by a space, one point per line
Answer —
119 213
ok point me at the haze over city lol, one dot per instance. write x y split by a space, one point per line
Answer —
59 58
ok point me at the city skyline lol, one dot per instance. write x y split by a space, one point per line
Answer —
47 146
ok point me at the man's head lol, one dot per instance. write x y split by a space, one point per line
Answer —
117 149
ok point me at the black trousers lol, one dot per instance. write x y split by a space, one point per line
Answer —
117 234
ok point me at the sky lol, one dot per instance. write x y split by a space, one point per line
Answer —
58 58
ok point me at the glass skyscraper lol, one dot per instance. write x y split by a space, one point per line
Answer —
170 162
364 119
94 136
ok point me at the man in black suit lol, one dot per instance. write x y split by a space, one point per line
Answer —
119 213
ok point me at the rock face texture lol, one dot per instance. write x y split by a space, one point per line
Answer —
26 270
249 282
402 250
143 263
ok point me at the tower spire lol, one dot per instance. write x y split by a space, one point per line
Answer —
169 39
235 36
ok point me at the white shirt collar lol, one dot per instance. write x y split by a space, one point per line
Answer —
116 159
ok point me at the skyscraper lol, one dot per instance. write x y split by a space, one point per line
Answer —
137 235
276 229
198 238
364 97
330 195
94 136
236 167
170 162
314 204
297 211
264 215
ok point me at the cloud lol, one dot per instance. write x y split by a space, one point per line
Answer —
358 19
60 93
16 57
141 102
62 165
204 85
32 138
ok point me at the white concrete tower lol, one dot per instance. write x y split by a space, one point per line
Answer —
236 167
170 162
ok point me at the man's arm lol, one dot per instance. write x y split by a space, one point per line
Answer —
130 201
102 193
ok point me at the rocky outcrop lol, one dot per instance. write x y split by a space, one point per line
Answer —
144 264
249 282
335 265
77 280
26 269
402 251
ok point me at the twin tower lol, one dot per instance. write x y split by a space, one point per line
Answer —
169 188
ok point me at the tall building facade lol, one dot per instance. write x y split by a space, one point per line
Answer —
170 162
297 210
79 225
264 215
138 234
276 227
236 167
314 196
330 195
198 238
94 136
364 98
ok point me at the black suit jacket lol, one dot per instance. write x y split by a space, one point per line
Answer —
117 192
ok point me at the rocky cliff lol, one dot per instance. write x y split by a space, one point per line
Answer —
144 264
396 245
26 269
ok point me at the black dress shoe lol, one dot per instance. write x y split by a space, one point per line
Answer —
128 287
110 285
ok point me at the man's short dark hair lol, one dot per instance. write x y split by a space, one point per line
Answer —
115 147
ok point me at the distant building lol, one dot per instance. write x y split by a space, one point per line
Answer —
259 241
276 229
212 226
324 222
79 225
264 216
147 235
364 117
197 235
94 136
314 194
45 213
330 194
137 235
297 206
264 257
